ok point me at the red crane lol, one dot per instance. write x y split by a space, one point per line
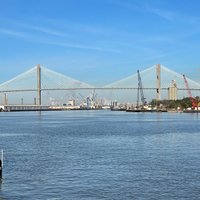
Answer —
194 104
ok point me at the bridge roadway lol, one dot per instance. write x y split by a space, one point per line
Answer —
96 88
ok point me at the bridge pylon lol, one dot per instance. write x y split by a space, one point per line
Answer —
158 82
39 96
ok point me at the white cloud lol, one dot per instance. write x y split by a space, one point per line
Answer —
78 46
168 15
43 30
173 16
11 32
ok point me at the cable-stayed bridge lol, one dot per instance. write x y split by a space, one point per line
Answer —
40 85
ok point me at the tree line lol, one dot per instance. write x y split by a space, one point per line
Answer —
174 104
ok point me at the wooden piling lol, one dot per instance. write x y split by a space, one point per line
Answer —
1 170
1 164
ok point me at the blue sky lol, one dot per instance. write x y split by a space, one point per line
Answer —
99 41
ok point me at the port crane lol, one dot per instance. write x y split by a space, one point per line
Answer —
140 93
90 100
194 103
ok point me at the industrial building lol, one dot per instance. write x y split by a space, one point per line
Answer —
172 91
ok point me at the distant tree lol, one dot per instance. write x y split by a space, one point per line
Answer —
174 104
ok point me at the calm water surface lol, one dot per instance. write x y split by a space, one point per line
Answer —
100 155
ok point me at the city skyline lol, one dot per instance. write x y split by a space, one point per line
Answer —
99 42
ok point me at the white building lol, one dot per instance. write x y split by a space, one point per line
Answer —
172 91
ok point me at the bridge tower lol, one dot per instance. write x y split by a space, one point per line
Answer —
5 100
158 82
39 98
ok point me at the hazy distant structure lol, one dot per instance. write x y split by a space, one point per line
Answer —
5 100
172 91
71 102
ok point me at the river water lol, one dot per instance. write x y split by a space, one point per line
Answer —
100 155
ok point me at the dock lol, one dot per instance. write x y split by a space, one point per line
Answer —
13 108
